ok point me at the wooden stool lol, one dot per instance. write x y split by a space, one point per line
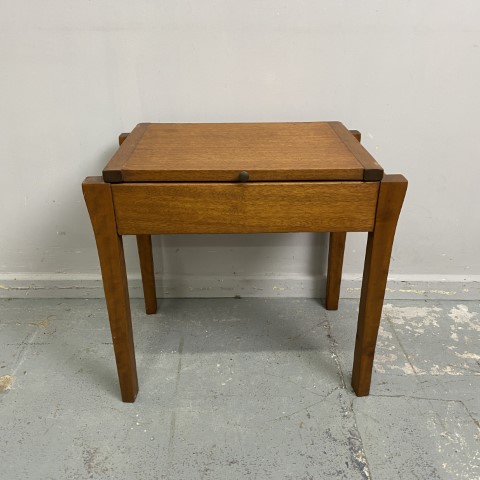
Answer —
243 178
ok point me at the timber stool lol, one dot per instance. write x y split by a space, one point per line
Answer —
243 178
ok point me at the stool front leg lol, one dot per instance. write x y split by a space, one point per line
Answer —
98 198
377 261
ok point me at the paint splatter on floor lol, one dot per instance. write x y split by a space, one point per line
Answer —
6 383
451 334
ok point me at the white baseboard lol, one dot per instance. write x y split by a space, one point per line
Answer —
450 287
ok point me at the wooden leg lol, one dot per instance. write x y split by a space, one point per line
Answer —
336 250
144 244
377 261
98 198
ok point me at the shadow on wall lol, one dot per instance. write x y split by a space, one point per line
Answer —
240 265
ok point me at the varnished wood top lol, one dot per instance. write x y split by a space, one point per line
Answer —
218 152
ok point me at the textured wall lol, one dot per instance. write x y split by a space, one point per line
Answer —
75 74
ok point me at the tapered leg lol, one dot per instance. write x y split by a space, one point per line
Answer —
336 250
99 202
144 244
377 261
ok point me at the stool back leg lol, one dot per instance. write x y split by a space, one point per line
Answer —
336 251
144 245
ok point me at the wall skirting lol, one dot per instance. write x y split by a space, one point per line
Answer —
454 287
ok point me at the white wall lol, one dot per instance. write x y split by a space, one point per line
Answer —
73 74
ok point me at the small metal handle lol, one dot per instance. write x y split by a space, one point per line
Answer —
243 176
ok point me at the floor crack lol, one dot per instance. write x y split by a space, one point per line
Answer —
448 400
173 419
357 448
402 348
294 383
333 351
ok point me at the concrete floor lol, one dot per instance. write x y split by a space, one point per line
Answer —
239 388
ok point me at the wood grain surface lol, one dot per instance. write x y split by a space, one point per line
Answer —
112 173
373 172
244 207
219 152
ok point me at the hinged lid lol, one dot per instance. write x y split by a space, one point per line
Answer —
231 152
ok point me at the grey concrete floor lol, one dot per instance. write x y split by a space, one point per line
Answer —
239 388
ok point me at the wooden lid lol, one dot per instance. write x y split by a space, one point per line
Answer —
232 152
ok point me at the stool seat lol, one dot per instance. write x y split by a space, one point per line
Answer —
203 178
219 152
